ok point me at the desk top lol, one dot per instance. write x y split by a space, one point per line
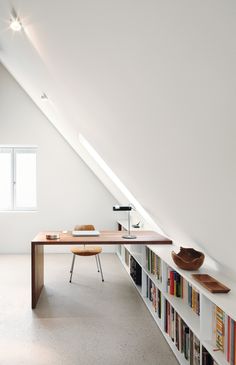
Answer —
105 238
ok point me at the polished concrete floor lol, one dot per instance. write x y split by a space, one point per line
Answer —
84 323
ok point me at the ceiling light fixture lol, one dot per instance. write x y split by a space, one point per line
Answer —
44 96
15 24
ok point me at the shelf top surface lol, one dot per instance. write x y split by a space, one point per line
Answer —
225 301
105 237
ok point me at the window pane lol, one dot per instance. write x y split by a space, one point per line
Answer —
25 180
5 181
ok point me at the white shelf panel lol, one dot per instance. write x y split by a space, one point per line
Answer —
137 255
224 301
218 356
128 271
185 312
153 278
123 262
179 355
152 311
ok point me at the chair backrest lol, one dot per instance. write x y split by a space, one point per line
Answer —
85 227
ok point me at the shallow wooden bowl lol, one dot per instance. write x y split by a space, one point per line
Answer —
188 258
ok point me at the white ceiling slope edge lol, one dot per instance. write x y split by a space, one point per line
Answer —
151 86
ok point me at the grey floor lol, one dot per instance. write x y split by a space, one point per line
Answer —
83 323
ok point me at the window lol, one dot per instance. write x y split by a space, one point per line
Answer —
17 178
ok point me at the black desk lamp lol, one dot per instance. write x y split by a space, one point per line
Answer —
127 208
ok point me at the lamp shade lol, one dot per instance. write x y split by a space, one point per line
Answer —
122 207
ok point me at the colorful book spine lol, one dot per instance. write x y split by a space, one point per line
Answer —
194 299
154 295
220 329
153 264
228 339
159 303
175 284
224 334
180 288
232 342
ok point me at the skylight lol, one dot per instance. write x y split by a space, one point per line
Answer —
127 194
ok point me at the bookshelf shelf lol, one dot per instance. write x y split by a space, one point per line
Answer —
153 313
153 278
155 291
186 313
217 355
180 357
137 255
225 301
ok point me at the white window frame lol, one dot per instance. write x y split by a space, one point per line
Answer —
14 150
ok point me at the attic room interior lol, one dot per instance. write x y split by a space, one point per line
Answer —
117 182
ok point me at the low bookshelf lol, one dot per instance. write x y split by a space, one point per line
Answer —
199 326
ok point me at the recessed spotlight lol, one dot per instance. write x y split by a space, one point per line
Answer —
15 24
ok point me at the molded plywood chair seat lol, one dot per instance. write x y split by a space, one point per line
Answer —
86 251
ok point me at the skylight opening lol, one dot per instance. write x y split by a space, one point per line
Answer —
128 195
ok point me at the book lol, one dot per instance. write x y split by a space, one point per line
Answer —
135 270
219 328
232 342
180 288
224 334
153 264
207 358
181 335
228 339
159 303
196 351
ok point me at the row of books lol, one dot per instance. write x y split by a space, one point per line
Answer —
153 264
193 299
175 283
184 339
180 288
154 295
207 359
224 334
135 271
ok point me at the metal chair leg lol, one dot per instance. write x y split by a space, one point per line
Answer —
72 267
99 261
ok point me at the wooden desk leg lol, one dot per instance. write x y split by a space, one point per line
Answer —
37 272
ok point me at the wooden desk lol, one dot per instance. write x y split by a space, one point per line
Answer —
105 238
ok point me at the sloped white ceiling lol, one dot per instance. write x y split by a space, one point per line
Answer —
151 85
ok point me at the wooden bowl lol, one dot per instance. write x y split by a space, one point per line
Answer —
188 259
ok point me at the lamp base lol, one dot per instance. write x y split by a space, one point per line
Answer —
129 237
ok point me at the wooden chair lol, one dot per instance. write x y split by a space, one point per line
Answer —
86 251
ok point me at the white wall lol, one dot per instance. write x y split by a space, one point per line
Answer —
68 192
151 85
